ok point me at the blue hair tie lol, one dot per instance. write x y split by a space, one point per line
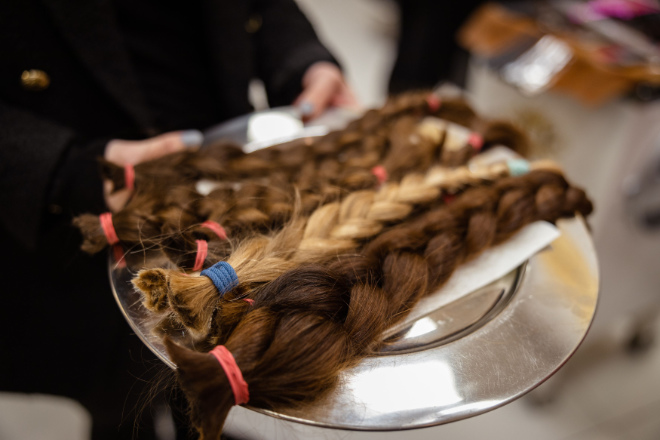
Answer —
223 276
518 167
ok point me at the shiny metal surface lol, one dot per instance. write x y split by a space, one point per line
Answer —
525 328
242 128
455 319
534 71
130 301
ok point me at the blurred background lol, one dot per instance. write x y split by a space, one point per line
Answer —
582 79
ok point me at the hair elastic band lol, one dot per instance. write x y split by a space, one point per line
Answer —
223 276
518 167
216 228
380 172
238 385
448 198
476 141
108 228
118 254
129 176
434 102
202 252
249 301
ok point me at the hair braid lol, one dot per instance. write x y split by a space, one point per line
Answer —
332 229
306 350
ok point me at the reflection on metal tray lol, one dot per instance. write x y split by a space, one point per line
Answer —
274 126
457 318
482 352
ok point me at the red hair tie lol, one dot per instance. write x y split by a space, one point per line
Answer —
202 252
448 198
249 301
433 102
108 228
380 172
216 228
234 375
118 253
476 141
129 176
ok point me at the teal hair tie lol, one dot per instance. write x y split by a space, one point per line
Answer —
518 167
223 276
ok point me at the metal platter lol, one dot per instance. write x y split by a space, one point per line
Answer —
461 360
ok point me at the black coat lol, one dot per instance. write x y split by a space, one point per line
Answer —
94 95
64 333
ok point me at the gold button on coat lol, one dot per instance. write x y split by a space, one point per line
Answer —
35 80
253 24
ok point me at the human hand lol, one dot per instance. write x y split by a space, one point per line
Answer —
123 152
324 86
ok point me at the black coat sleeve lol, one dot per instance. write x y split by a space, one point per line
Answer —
286 45
44 168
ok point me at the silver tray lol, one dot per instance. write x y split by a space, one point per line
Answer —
464 359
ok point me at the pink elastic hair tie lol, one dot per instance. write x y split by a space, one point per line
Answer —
433 102
249 301
380 172
448 198
216 228
118 253
476 141
236 381
202 252
108 228
129 176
